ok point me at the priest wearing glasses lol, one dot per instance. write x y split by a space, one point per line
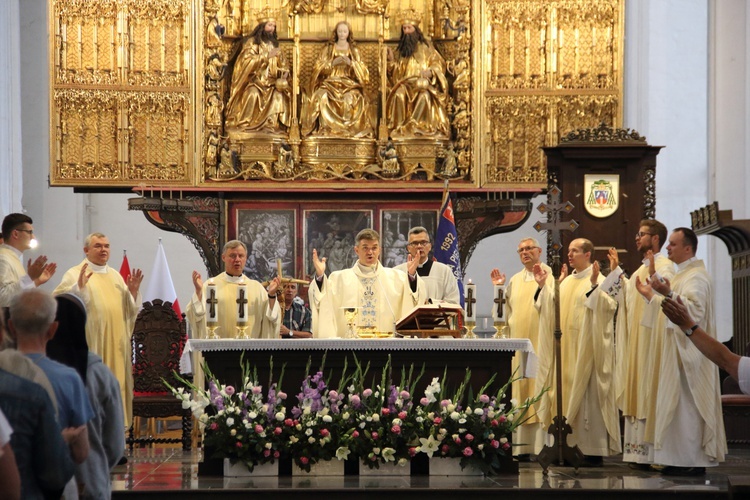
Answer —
440 283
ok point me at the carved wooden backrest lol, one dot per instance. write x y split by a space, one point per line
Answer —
157 342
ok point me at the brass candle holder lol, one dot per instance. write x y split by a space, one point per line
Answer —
212 335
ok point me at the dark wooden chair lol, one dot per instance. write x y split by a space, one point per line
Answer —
735 407
157 342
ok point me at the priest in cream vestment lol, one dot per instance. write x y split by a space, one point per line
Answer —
380 295
689 427
264 314
523 323
586 321
638 351
111 308
438 279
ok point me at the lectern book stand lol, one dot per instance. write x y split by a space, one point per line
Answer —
430 320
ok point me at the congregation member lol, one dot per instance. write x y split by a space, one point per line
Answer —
42 454
438 279
106 439
32 323
9 477
112 306
586 322
263 313
297 323
18 234
737 366
522 320
689 429
639 352
379 295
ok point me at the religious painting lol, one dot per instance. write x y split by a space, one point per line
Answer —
270 237
394 232
332 233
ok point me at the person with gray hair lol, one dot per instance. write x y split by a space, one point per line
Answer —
263 311
32 323
522 320
112 305
439 280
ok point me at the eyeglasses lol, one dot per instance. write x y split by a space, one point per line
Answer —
30 231
641 234
526 249
419 243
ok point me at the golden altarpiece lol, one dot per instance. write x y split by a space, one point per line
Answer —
196 97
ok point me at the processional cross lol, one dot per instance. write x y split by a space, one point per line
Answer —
241 301
212 302
560 428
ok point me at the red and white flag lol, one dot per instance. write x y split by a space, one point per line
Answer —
125 267
160 286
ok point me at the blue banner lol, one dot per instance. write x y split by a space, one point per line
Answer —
445 249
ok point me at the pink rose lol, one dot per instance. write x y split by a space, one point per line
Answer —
437 420
502 418
373 458
355 434
468 452
424 401
213 426
288 422
484 398
277 431
412 451
469 437
457 440
304 460
495 443
324 432
229 390
257 389
396 429
276 454
258 428
444 449
355 400
404 394
367 393
333 395
281 395
506 446
445 403
494 423
402 415
374 435
238 444
266 453
385 411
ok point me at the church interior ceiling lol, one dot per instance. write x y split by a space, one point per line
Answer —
187 94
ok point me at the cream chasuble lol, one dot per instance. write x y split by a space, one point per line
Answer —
381 295
13 277
262 322
523 323
587 363
111 312
689 427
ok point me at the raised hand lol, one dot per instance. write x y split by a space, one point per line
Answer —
595 273
540 275
644 288
36 268
198 284
134 282
273 286
651 266
614 258
677 313
497 277
49 271
563 273
411 265
662 286
319 264
83 277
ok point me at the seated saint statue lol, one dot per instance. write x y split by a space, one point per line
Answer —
335 104
260 97
418 98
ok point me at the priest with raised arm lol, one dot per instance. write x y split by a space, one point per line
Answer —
219 296
379 296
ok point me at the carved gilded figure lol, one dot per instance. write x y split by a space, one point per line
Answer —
335 104
418 98
308 6
371 6
259 98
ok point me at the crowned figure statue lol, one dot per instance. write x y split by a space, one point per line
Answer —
416 106
260 94
335 104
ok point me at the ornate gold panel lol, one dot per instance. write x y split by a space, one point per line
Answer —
141 89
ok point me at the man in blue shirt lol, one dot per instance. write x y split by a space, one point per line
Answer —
32 322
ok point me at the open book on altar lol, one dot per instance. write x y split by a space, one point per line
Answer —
430 320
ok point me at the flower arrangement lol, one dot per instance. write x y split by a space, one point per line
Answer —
377 424
242 425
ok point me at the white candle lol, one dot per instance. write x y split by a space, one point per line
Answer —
498 315
241 304
470 300
212 302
